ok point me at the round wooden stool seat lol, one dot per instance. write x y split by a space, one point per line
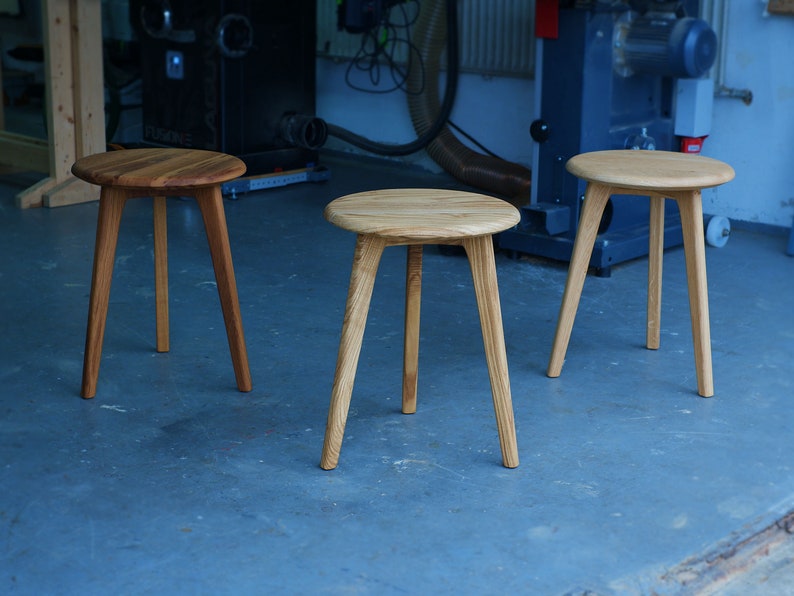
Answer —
421 214
134 173
158 169
658 171
415 217
658 175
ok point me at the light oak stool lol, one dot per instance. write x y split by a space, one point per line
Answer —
157 173
415 217
658 175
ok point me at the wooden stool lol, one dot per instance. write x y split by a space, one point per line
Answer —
415 217
158 173
659 175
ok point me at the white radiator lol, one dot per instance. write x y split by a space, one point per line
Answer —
496 36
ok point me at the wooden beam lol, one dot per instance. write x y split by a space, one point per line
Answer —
87 69
74 99
59 99
23 152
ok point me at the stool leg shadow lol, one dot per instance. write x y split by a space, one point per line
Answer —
111 206
366 259
481 259
210 202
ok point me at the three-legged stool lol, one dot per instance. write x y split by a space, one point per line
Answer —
157 173
658 175
415 217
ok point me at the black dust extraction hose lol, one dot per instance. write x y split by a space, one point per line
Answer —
434 18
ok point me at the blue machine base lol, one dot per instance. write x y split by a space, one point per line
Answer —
610 248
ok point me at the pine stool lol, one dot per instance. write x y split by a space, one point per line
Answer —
415 217
135 173
658 175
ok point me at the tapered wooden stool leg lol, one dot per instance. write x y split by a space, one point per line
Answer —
655 259
413 301
691 209
596 197
366 258
210 202
111 206
161 272
481 258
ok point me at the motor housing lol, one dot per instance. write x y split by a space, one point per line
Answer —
683 48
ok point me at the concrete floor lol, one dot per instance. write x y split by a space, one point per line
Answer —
170 481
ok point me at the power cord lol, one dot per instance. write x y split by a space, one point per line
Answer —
381 46
431 133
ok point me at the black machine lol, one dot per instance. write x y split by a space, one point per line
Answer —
236 76
611 75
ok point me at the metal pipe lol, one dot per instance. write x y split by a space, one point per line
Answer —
716 12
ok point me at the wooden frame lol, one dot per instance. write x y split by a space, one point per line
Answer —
75 106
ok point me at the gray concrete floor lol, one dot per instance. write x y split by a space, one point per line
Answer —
171 481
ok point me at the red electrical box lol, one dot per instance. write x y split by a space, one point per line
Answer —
547 19
692 144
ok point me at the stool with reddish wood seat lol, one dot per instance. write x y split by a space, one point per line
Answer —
658 175
157 173
415 217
